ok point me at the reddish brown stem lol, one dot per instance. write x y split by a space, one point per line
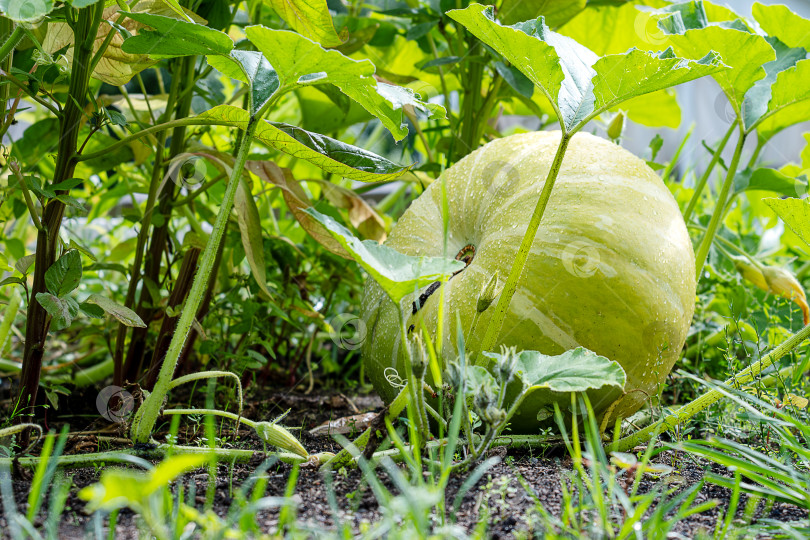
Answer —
38 321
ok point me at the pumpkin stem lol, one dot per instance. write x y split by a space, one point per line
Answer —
496 321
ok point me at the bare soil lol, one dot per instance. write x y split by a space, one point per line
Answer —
499 497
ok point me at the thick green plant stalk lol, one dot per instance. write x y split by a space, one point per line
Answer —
128 457
12 41
38 321
148 413
269 432
720 207
685 413
705 178
502 307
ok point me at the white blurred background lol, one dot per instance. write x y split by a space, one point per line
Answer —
702 107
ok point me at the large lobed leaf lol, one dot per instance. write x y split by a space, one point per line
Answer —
397 274
790 100
533 56
253 69
648 72
692 34
757 99
309 18
555 12
779 21
744 53
579 84
301 62
577 370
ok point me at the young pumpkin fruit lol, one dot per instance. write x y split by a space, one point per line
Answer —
611 268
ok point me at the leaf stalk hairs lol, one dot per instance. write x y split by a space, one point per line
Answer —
147 414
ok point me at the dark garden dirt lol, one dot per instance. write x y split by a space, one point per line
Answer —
508 508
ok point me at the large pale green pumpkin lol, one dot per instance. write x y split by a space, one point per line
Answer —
611 268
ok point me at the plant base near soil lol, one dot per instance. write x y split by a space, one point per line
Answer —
498 498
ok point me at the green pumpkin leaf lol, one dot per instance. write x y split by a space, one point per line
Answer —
790 101
301 62
621 27
756 102
172 37
557 65
397 274
22 11
744 53
556 12
579 84
64 275
329 154
253 69
250 229
123 314
78 4
766 179
310 18
576 370
684 16
779 21
795 213
61 310
650 72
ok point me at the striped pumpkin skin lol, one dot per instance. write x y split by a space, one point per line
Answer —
611 268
